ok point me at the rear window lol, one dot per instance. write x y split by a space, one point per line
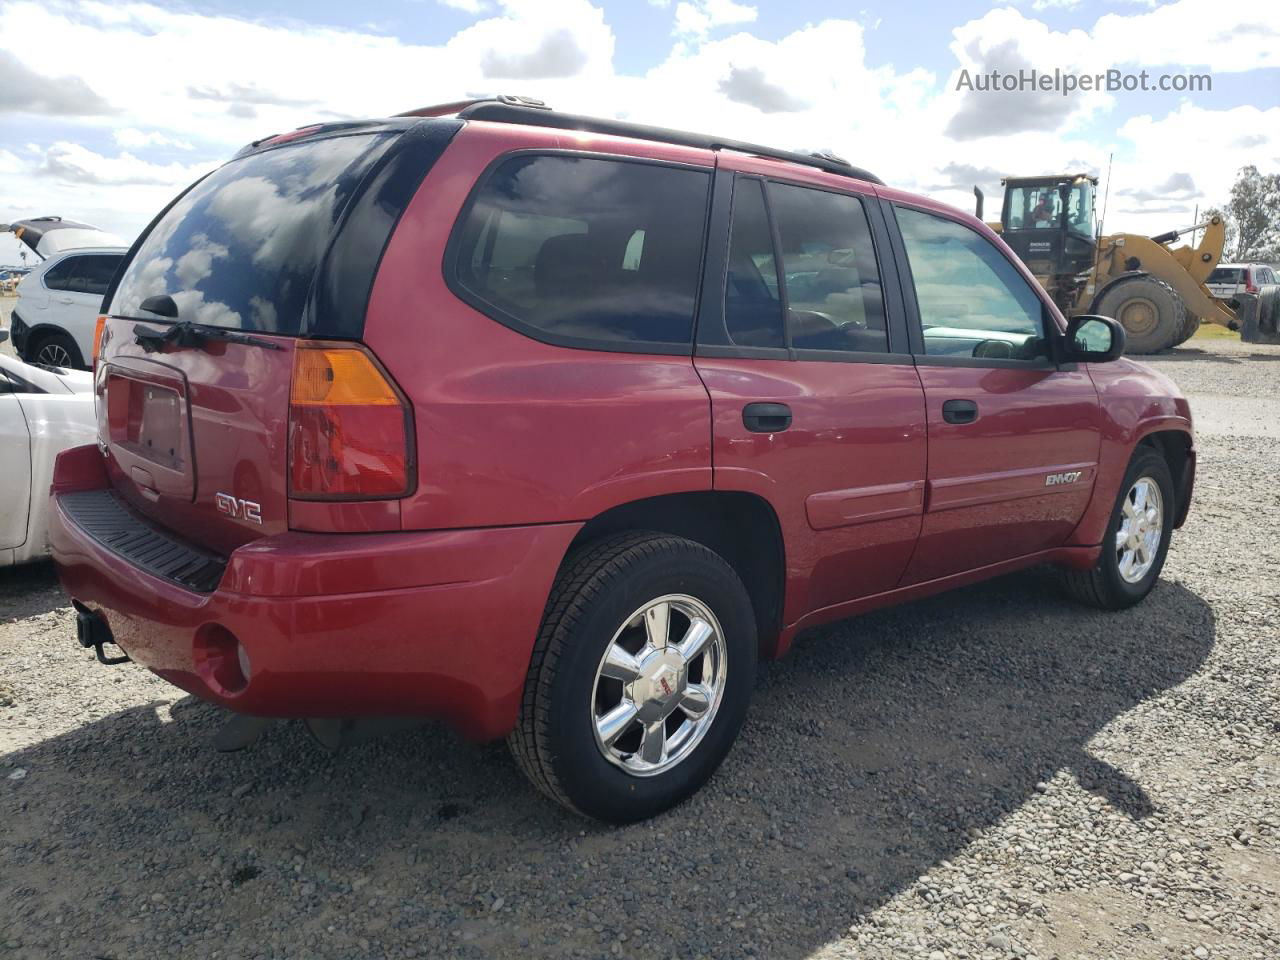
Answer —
88 273
241 248
584 251
1226 275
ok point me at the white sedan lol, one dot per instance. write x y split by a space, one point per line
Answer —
43 410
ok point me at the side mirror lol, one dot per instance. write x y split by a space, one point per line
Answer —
1094 339
4 335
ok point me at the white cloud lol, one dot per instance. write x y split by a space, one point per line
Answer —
75 164
697 18
466 6
134 139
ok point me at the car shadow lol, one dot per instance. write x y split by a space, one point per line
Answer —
28 590
880 747
1199 355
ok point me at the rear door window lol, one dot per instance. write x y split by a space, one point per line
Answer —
834 299
242 247
88 273
1226 275
585 251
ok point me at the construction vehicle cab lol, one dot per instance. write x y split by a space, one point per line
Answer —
1048 221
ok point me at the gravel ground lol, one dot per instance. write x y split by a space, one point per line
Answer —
989 774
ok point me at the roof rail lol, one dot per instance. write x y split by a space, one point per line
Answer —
526 110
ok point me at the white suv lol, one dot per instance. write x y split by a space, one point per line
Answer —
1229 280
58 306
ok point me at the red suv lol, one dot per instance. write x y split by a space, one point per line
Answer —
552 426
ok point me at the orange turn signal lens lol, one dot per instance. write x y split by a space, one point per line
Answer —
97 337
339 376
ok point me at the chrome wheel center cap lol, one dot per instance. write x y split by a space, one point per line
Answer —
659 685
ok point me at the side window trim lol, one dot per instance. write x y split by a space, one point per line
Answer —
915 330
452 255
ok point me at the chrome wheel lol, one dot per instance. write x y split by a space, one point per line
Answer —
1140 529
659 684
54 355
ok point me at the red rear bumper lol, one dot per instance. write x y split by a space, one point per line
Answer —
334 625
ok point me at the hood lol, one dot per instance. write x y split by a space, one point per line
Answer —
50 235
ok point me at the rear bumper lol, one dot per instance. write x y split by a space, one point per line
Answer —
333 625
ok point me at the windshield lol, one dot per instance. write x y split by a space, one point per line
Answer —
241 248
1040 207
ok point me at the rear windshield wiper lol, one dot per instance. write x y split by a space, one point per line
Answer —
184 333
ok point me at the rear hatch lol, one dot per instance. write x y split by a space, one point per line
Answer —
270 256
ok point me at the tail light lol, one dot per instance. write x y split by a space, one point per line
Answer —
97 338
349 427
1249 285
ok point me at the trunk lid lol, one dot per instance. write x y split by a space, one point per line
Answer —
197 351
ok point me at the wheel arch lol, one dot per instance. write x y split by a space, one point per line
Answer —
37 332
742 528
1178 451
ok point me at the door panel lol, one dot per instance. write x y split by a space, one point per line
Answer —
1015 480
1013 437
846 478
15 470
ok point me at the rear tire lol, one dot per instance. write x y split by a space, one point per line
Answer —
54 350
1150 311
1133 553
605 612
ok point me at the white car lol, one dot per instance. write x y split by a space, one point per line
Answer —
58 306
1229 280
43 410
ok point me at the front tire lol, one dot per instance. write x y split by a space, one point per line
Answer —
1137 540
640 677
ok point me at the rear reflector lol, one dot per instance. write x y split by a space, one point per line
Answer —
97 338
349 435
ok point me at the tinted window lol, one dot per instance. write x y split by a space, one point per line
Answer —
90 273
834 301
587 251
241 248
752 306
972 301
1226 275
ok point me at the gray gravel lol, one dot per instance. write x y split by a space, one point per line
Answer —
994 773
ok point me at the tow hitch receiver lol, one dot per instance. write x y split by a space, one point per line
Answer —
92 631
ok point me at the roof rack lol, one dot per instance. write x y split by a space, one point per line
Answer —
526 110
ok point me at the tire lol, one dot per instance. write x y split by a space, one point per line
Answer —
600 587
54 350
1190 324
1107 586
1150 311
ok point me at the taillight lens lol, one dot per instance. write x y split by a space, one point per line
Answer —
349 436
97 338
1249 285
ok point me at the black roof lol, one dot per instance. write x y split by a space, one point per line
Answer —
524 110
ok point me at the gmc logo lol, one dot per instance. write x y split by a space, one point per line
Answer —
238 509
1052 479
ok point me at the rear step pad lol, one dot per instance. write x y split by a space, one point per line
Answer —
102 515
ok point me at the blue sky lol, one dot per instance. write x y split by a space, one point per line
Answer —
144 98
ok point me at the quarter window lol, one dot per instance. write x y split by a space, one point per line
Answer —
89 273
834 299
587 251
972 301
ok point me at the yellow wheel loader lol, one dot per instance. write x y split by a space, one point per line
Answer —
1155 290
